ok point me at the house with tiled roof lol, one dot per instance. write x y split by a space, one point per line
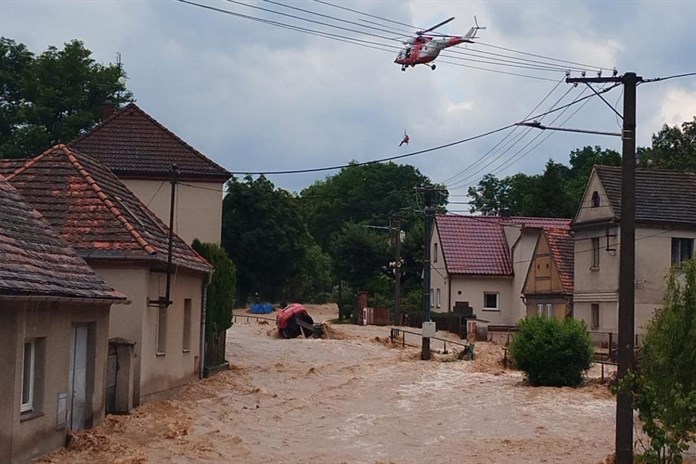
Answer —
548 286
54 320
482 262
127 245
141 152
665 233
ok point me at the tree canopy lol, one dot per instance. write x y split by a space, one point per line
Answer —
556 192
264 235
50 98
672 148
369 194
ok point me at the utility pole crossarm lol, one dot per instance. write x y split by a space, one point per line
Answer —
594 80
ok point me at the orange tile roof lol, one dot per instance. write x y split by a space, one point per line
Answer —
94 212
35 262
563 254
134 145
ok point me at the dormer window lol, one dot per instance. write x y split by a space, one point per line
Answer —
595 199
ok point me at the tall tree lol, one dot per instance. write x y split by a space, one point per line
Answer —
52 97
672 148
368 194
554 193
264 235
360 253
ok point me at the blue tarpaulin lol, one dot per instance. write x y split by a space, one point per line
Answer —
261 308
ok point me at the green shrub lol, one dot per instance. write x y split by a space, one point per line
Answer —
664 386
551 352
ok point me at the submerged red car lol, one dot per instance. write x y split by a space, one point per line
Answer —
294 320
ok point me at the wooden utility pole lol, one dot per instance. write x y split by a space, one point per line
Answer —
624 400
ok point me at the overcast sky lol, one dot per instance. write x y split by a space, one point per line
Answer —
255 97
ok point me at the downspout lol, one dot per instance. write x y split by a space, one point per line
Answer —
449 292
204 303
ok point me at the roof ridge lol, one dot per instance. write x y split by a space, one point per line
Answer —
105 199
32 161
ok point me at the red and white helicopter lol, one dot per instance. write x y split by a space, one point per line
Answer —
423 48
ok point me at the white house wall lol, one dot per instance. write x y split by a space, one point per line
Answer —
653 262
160 373
472 289
199 206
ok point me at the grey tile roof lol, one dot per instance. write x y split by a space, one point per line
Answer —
134 145
662 196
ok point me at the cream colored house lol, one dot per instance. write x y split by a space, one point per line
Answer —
548 287
141 152
127 246
54 322
665 233
483 261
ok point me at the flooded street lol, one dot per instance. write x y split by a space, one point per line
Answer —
355 399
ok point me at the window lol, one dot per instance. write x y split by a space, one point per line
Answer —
490 300
540 309
435 253
437 297
432 298
549 310
595 253
28 376
595 199
682 250
162 330
595 317
186 345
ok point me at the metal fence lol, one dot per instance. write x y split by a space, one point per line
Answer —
398 336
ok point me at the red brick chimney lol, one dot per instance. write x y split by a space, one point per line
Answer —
107 110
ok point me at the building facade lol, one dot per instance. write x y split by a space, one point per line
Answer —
141 152
127 245
54 323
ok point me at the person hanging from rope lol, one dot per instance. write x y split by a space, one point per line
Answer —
405 139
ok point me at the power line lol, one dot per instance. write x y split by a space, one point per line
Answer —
515 62
658 79
515 142
521 153
367 14
390 158
449 179
542 56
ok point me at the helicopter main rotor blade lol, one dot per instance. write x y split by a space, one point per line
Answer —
436 26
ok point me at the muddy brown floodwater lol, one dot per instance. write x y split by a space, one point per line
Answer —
355 399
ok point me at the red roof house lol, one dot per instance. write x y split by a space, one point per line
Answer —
54 316
127 245
482 261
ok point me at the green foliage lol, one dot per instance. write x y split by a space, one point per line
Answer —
52 97
551 352
359 254
554 193
313 281
672 148
664 386
222 288
264 235
368 194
